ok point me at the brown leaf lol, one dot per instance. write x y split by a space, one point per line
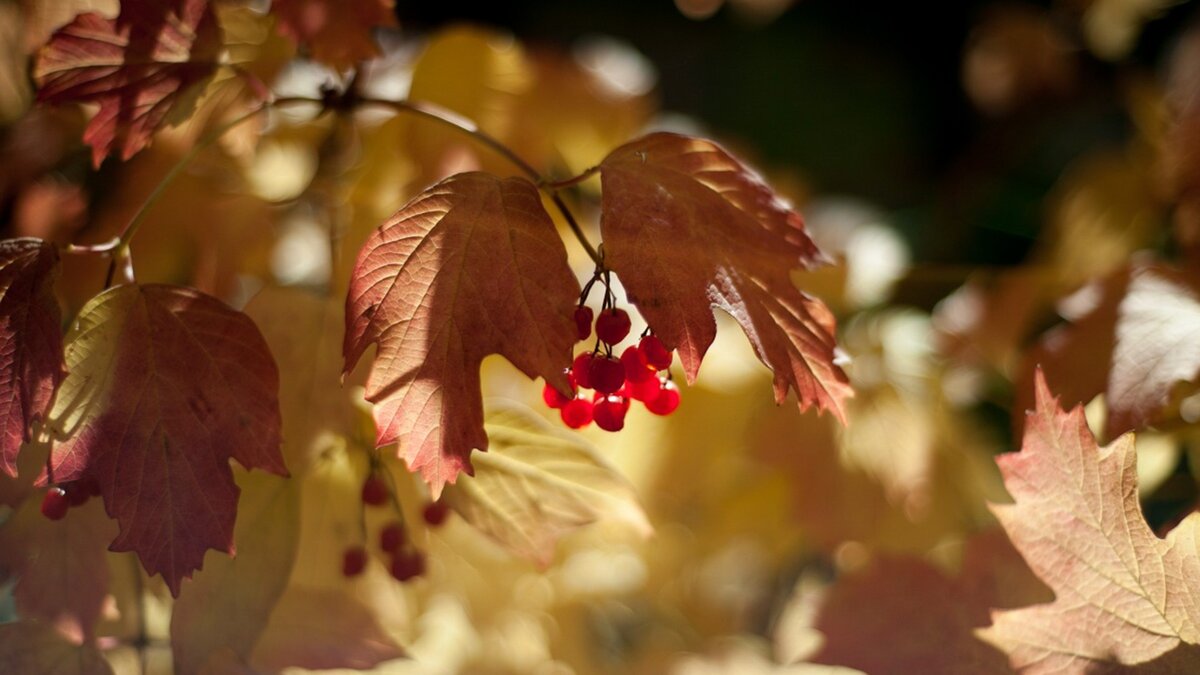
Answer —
31 360
138 68
166 384
688 228
1122 595
337 31
470 267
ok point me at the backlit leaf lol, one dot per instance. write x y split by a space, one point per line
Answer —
1122 595
470 267
31 361
537 483
137 67
338 32
688 229
166 385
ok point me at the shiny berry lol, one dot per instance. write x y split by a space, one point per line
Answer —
354 561
644 390
667 400
577 413
553 397
637 369
606 375
435 513
55 503
610 412
581 370
391 536
612 325
408 565
374 492
657 355
583 322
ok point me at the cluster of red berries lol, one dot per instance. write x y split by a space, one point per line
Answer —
615 382
60 498
406 561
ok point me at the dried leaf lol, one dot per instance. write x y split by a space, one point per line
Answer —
138 68
31 361
166 385
470 267
688 228
537 484
1122 595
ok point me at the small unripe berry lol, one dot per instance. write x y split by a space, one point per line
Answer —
553 397
408 565
354 561
612 325
667 400
374 492
55 503
435 513
391 537
657 355
577 413
637 369
606 375
609 412
583 322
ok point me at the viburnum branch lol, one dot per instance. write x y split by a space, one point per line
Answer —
455 121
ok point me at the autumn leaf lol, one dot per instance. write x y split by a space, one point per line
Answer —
166 384
138 67
228 603
1122 595
31 647
61 566
688 228
338 32
31 361
472 266
536 484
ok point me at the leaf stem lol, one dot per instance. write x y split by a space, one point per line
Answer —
570 182
455 121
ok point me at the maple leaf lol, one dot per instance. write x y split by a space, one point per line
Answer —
688 229
166 384
32 647
1123 596
337 31
137 67
31 361
472 266
537 484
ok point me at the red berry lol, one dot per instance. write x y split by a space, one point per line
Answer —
610 412
553 397
55 503
77 493
657 355
581 370
637 369
408 565
583 322
391 536
606 375
577 413
435 513
645 390
354 561
612 325
374 492
667 400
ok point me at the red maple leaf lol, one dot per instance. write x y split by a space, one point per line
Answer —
31 362
166 384
472 266
688 229
137 67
